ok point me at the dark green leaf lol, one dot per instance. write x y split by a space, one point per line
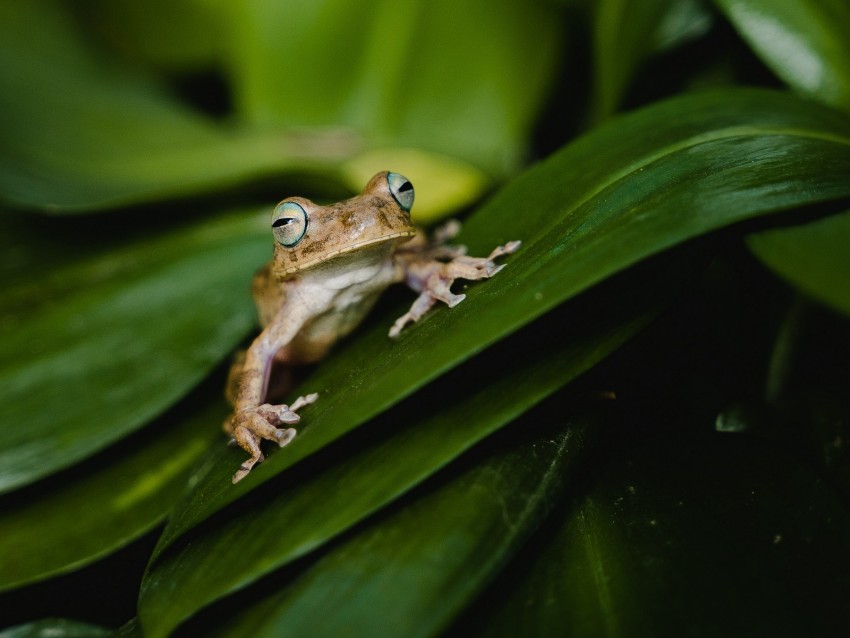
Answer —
706 536
130 629
94 347
640 185
804 42
628 31
55 628
411 572
815 258
73 520
345 490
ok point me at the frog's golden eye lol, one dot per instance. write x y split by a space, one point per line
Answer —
289 223
401 189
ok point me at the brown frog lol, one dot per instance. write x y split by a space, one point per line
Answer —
330 264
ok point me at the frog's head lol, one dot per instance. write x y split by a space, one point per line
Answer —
307 234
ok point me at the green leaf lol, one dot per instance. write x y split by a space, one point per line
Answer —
633 188
179 36
95 346
813 257
79 134
54 628
463 79
130 629
699 536
79 517
804 42
358 482
626 32
411 571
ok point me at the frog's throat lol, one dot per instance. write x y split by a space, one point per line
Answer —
348 249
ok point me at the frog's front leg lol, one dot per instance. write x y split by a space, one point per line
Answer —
432 268
248 428
253 420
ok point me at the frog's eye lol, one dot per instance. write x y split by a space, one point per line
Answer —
289 223
401 189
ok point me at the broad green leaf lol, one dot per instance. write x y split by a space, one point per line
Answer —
633 188
463 79
699 536
804 42
814 257
410 572
55 628
80 134
356 483
74 519
94 347
628 31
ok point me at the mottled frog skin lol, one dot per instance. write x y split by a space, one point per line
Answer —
330 264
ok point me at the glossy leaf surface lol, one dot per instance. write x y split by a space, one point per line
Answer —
82 515
421 564
55 628
607 201
95 346
815 258
626 32
804 42
416 439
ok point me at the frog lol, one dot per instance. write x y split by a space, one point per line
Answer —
329 266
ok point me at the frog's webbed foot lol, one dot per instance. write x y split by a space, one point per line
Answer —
431 269
249 427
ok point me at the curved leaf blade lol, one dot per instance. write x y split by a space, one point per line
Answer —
804 42
631 189
96 346
626 32
813 257
80 135
313 509
74 520
55 628
411 572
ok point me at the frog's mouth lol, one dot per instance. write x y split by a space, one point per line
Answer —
348 249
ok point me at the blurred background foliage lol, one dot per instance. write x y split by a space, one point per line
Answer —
638 428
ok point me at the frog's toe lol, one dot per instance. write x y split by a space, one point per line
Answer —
283 437
242 472
249 442
300 402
